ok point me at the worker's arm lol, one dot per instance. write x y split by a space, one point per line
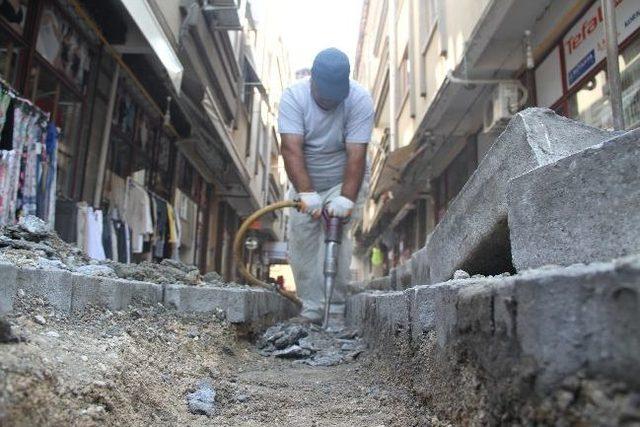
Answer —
354 170
294 163
296 168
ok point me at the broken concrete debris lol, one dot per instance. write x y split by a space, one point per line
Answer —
310 344
203 400
31 243
6 333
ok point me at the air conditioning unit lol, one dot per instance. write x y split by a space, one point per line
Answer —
505 101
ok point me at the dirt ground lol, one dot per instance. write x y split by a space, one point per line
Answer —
137 367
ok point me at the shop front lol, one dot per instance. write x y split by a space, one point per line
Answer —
45 59
572 78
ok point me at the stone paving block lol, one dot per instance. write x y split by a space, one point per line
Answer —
379 284
113 294
583 208
207 299
420 267
8 275
392 312
241 305
473 235
143 293
403 280
393 278
445 311
54 286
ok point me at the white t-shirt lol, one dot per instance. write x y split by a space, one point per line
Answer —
326 132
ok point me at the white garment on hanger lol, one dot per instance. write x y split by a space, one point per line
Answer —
95 248
138 215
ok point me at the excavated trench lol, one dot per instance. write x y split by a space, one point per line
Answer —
151 367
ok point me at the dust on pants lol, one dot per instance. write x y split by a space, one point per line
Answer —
306 253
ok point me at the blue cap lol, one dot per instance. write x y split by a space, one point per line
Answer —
330 74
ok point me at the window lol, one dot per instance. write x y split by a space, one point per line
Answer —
62 46
404 78
591 104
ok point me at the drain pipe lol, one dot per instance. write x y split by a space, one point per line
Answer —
106 136
393 84
613 67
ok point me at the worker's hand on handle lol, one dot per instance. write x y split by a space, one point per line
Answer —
311 203
340 206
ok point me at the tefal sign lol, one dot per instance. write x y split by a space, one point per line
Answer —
585 44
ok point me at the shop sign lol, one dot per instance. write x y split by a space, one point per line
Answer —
585 45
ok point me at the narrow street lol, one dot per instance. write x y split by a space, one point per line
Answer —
397 213
137 368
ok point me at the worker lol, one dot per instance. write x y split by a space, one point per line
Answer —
325 122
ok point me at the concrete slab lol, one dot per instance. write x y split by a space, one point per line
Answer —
473 235
583 208
8 274
54 286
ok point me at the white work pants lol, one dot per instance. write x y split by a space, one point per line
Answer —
306 253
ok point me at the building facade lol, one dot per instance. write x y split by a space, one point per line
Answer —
446 76
160 104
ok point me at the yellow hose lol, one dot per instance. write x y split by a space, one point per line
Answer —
238 249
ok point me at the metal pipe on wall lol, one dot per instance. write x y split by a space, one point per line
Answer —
393 83
613 67
106 136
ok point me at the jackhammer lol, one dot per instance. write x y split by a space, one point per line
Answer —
333 239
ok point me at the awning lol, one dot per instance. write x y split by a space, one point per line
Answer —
222 15
392 168
145 19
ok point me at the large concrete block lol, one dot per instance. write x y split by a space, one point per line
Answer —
473 235
54 286
583 208
8 275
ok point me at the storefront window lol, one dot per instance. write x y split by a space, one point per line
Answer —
63 47
630 78
590 104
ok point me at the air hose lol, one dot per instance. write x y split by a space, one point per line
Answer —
238 249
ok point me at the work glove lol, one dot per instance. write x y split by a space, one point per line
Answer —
311 203
340 207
